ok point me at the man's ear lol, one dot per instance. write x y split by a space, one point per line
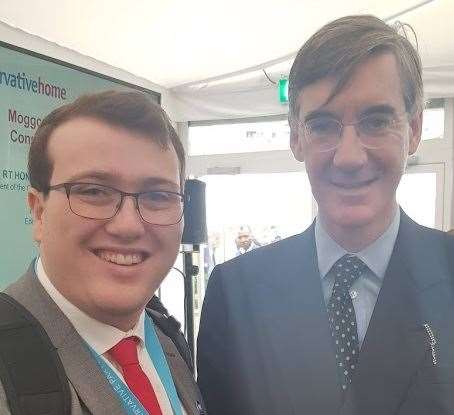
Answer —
296 142
415 133
36 204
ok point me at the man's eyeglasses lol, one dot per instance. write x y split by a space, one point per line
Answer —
95 201
325 132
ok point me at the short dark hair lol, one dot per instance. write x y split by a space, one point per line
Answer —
338 47
127 109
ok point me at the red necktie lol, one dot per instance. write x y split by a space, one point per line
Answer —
125 354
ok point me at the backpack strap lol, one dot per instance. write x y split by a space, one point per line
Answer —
31 371
171 328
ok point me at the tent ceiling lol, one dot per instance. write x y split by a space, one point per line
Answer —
174 42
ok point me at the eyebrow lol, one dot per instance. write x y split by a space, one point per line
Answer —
158 182
373 109
382 109
319 114
93 175
108 177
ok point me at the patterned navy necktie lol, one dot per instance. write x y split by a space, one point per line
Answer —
342 317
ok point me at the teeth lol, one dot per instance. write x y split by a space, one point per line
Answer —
120 259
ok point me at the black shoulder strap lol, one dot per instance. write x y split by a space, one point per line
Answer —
171 328
31 371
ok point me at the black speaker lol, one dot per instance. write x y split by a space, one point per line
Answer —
195 223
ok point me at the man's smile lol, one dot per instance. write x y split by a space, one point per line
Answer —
121 258
352 184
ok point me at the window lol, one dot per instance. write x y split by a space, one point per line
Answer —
238 137
433 126
245 136
417 194
269 206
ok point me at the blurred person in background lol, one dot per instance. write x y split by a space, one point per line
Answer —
245 242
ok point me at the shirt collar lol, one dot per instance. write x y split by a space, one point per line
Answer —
100 336
376 256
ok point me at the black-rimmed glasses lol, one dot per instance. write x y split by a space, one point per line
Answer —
96 201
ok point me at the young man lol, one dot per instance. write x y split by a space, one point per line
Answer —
354 315
106 175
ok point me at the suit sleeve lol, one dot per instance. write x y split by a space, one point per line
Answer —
212 351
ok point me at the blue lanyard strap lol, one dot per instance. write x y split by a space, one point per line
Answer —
130 403
156 353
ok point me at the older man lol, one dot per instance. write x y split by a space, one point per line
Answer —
106 174
354 315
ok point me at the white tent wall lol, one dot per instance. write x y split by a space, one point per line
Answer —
18 37
260 97
226 97
246 102
173 42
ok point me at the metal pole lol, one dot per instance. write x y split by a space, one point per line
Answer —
190 270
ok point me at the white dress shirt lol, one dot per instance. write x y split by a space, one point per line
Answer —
102 337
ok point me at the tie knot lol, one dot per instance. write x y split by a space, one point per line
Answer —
346 271
125 351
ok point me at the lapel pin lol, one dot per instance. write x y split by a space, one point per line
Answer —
432 342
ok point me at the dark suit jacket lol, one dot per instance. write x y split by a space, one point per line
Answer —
90 390
265 346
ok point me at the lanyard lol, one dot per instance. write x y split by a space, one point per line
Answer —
130 403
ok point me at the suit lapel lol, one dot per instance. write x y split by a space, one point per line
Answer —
396 343
393 347
86 377
300 357
81 369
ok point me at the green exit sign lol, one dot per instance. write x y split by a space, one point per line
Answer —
282 86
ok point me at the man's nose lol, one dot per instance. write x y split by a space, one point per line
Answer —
350 154
127 223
